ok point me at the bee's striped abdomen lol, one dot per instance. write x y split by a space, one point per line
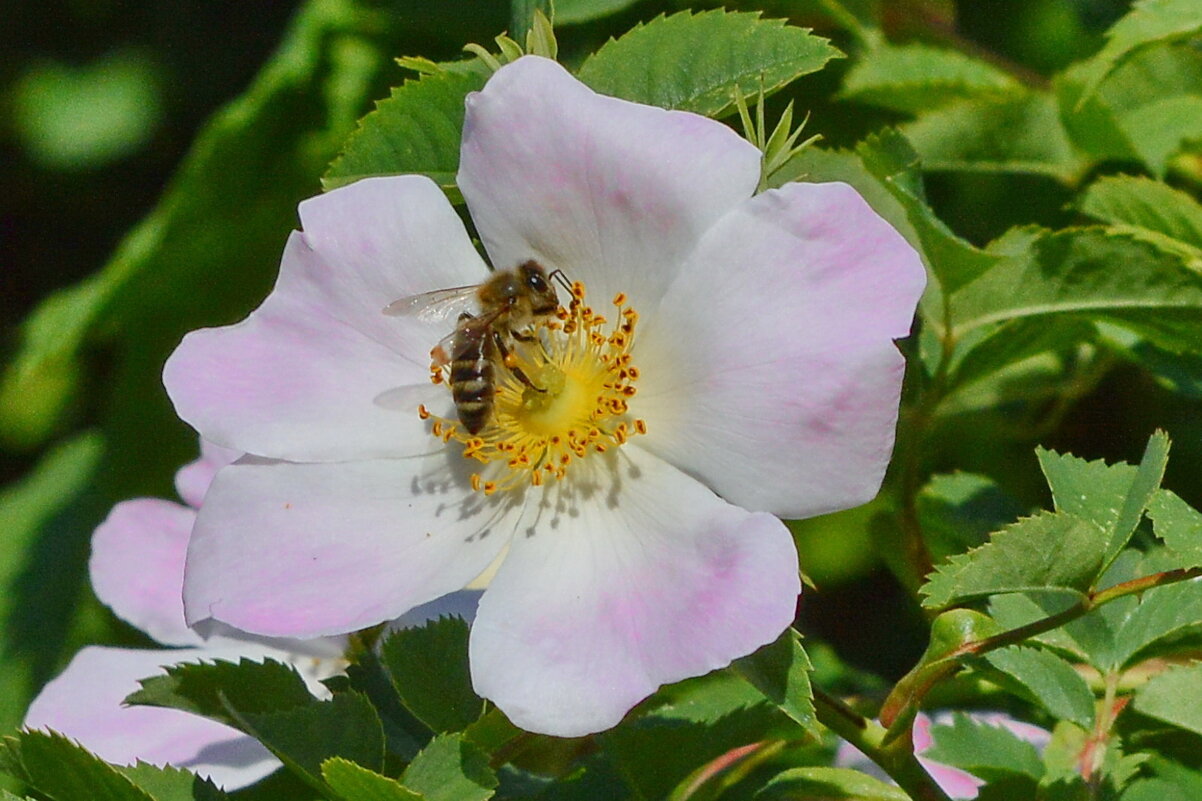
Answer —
473 377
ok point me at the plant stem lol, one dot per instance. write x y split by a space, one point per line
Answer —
896 759
1087 604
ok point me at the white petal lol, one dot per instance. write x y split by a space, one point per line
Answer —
614 193
301 550
770 371
299 379
137 566
644 578
84 703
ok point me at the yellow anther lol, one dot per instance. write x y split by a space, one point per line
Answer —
570 401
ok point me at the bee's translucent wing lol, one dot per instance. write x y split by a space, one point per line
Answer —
435 306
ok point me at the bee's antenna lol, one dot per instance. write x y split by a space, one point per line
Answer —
562 279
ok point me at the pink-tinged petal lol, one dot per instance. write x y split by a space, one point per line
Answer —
640 578
303 377
614 193
956 782
301 550
85 703
193 479
137 566
770 371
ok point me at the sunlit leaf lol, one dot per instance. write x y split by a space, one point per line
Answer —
1143 206
1179 525
417 129
828 783
429 669
1020 134
982 748
1148 22
696 62
354 782
1045 679
1071 272
1174 696
781 671
1050 551
916 77
450 768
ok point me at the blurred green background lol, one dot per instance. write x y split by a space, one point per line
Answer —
131 214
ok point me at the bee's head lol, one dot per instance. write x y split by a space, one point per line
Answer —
536 289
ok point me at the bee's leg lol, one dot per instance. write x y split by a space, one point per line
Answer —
510 361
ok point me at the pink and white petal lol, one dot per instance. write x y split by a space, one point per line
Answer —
770 371
626 581
614 193
193 479
84 703
137 566
303 550
956 782
300 378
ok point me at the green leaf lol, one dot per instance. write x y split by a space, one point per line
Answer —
781 671
1156 790
1164 614
521 16
697 62
1175 697
1146 208
404 734
171 783
1148 22
890 158
37 581
571 12
985 750
1179 525
224 691
416 130
1016 134
705 699
1044 679
1092 491
354 782
959 510
451 768
827 783
304 737
995 348
1111 496
916 77
59 768
1071 272
688 724
1159 130
1147 481
429 668
1050 551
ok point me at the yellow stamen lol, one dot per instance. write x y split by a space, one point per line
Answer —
582 380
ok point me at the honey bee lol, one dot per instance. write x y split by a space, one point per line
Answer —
508 304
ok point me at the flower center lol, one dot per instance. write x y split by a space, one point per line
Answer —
561 393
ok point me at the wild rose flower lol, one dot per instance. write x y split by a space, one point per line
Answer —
137 569
745 371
